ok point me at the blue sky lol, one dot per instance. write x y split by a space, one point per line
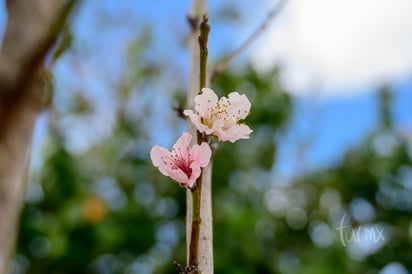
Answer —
342 111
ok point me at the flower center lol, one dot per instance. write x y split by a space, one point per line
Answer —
208 122
218 112
181 162
185 167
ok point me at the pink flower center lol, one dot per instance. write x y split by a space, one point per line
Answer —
181 162
185 168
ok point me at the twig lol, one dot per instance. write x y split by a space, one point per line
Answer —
179 111
196 222
226 63
203 39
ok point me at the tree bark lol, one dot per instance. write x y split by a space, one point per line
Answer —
198 9
30 33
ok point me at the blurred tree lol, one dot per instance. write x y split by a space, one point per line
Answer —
26 42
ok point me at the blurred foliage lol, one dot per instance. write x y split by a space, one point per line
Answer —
108 210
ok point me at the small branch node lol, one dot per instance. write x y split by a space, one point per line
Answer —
191 269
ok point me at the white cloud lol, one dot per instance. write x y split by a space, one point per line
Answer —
339 46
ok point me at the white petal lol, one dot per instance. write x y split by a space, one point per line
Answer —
196 120
240 105
235 133
205 102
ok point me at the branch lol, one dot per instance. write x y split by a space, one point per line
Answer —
196 222
202 40
269 18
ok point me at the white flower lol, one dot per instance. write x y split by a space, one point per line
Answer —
221 117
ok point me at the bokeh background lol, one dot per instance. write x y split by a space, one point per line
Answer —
324 185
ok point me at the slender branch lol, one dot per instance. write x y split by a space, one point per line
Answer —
196 221
269 18
203 39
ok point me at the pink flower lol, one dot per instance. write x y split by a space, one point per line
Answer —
183 163
221 118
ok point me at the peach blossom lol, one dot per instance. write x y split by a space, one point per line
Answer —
184 163
221 117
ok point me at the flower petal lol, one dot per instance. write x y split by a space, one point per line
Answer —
183 143
196 120
161 159
218 129
240 105
235 133
205 102
195 174
201 155
180 177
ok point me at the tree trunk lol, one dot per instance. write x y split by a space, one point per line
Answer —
31 31
198 9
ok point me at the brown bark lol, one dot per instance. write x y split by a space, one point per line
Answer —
31 30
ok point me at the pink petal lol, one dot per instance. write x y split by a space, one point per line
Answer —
205 102
183 143
161 159
195 174
180 177
201 155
